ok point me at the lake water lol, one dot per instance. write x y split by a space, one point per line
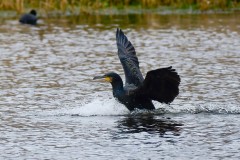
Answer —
50 108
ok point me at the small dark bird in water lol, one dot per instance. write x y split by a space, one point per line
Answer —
29 18
160 84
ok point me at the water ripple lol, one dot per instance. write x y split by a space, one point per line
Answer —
50 106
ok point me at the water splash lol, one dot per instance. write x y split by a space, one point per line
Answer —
215 108
99 107
94 105
106 105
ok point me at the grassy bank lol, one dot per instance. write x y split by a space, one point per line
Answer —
93 5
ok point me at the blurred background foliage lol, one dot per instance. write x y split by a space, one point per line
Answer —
91 5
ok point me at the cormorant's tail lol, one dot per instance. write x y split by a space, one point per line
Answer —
160 85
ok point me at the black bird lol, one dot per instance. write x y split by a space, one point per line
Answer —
160 84
29 18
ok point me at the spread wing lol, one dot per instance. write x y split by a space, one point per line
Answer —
129 60
160 85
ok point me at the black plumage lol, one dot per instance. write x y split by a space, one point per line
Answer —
160 84
29 18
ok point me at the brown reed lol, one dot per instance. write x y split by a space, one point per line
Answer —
87 5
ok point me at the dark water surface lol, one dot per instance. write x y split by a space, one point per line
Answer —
50 108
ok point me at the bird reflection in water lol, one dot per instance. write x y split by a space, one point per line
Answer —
149 124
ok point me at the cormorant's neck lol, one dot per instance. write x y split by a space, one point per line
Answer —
117 85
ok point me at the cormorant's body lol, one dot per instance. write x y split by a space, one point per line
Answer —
160 84
29 18
124 96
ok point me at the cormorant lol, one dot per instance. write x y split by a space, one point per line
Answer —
29 18
160 84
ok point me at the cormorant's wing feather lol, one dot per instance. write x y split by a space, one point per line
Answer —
129 60
160 85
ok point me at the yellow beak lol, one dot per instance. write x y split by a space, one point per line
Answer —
105 78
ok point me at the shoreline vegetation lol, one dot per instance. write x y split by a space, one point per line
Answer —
69 7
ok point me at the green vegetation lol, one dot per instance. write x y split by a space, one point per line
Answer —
89 6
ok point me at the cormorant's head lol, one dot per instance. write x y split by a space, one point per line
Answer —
113 78
33 12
